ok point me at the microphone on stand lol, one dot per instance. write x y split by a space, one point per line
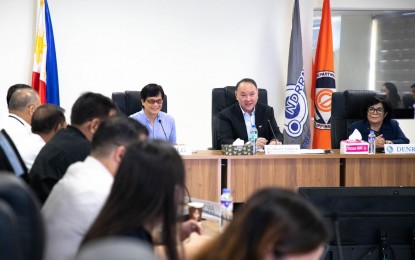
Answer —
272 130
163 130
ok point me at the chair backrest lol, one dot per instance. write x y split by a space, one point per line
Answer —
19 197
407 100
338 123
129 102
222 98
10 159
346 108
9 246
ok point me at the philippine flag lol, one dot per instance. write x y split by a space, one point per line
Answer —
45 71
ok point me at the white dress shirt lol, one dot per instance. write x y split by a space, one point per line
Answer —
27 143
73 205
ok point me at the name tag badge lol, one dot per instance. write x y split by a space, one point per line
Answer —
183 149
282 149
399 148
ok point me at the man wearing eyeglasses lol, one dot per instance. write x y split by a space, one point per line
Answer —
160 125
378 119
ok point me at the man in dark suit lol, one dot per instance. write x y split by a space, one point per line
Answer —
70 144
236 120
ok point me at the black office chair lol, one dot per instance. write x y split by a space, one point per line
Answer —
9 245
407 100
10 159
129 102
19 197
222 98
346 108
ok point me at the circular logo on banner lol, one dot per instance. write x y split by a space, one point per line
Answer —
323 100
296 110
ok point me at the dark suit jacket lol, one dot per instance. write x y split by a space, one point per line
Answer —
232 124
390 130
68 145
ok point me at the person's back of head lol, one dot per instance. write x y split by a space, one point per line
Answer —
116 131
13 89
47 120
91 105
89 110
147 191
273 222
23 103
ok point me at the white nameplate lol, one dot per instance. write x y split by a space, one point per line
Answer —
400 148
282 149
183 149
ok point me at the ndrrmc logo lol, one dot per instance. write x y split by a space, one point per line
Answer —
296 110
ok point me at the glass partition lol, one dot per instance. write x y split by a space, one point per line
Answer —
371 48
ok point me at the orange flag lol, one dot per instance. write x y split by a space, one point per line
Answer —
324 81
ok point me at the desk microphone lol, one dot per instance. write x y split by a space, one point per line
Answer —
163 130
272 130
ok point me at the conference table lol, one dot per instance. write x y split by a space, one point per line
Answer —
207 172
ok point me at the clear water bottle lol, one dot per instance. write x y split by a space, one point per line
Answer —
372 142
253 136
226 208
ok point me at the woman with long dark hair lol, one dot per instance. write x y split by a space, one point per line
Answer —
273 224
392 94
147 195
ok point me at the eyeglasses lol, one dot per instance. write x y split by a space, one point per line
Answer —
379 111
152 101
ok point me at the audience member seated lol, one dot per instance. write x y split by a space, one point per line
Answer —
378 118
22 104
47 120
411 102
71 144
236 120
392 95
146 198
13 89
77 198
160 125
273 224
